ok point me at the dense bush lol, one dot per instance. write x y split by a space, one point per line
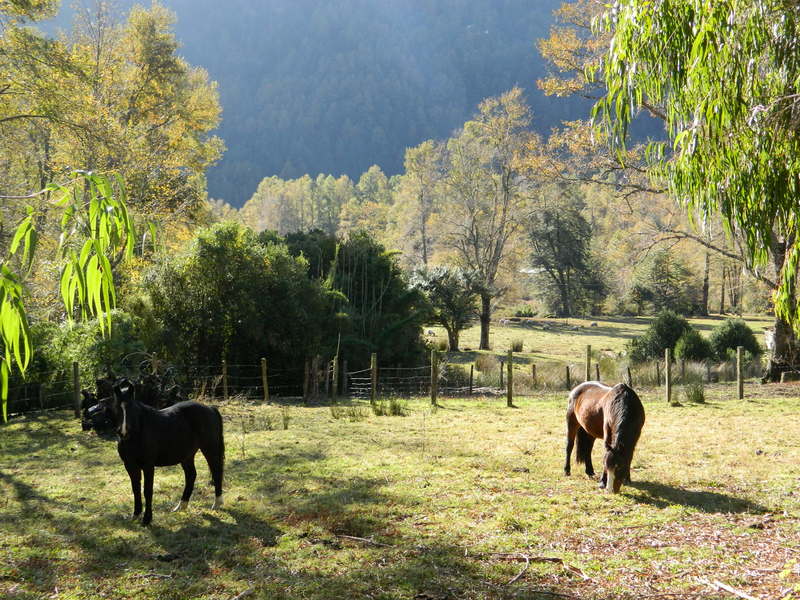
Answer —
692 346
375 308
664 332
229 296
730 334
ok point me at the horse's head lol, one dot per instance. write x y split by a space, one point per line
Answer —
617 463
101 417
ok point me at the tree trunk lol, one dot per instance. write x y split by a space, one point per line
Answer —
722 293
452 339
783 346
486 319
706 269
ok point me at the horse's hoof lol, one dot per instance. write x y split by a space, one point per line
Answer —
181 506
135 516
602 485
217 503
567 473
146 520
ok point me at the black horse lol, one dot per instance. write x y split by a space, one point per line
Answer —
149 438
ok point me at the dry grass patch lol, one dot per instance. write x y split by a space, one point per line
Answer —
465 501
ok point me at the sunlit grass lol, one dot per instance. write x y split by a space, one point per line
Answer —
431 503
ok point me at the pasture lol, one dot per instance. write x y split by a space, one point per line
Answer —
463 501
565 340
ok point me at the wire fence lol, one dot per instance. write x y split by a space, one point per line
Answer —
320 378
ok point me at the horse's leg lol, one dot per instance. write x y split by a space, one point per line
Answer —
603 479
135 473
214 459
572 429
148 494
189 475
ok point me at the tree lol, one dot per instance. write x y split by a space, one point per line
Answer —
96 233
452 294
485 194
664 281
133 106
726 71
560 241
230 296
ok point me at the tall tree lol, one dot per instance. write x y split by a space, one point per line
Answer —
452 293
727 72
486 197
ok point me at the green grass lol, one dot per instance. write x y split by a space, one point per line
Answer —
564 344
439 503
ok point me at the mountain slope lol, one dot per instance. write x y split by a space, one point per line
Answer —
334 87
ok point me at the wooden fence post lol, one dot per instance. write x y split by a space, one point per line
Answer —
569 383
739 374
434 377
76 389
471 376
630 377
306 376
708 371
588 363
502 368
335 391
315 376
264 380
373 367
510 384
658 373
533 373
668 374
597 371
225 379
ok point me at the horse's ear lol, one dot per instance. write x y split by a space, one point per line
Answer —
122 387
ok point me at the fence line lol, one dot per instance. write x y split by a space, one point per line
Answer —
318 379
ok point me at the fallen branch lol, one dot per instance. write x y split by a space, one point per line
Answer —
364 540
731 590
522 572
243 594
516 556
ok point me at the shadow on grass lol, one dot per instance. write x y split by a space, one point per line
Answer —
661 495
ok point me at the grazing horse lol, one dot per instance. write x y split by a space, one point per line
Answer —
614 414
149 438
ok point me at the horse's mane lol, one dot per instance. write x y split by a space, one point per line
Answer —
625 412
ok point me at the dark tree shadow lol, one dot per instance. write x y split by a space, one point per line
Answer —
662 496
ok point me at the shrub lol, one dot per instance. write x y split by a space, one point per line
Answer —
695 392
486 363
516 345
442 345
692 346
525 311
664 332
730 334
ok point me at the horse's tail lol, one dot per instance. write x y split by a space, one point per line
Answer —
583 447
220 443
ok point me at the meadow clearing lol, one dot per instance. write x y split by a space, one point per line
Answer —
467 500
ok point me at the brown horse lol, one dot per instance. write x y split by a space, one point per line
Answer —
614 414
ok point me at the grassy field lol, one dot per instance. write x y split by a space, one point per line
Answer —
550 344
464 501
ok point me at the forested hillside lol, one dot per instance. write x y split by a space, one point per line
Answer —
334 87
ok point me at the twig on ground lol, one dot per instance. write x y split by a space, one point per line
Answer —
731 590
517 556
522 572
243 594
365 540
